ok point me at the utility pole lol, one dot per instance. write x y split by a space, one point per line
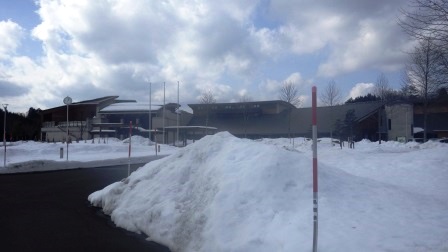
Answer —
163 120
5 106
150 118
177 114
67 101
315 189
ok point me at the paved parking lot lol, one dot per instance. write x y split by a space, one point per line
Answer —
49 211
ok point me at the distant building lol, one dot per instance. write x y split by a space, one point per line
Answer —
400 122
272 119
110 117
437 121
80 116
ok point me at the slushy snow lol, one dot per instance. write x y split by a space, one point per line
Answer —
223 193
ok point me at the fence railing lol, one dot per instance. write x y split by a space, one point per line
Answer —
72 124
64 124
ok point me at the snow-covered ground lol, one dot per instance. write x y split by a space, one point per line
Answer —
37 156
228 194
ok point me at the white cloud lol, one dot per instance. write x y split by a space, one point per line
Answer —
372 47
361 89
96 48
11 35
294 78
270 89
358 34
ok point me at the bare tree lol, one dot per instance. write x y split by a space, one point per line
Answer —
331 95
428 20
289 93
245 98
424 75
382 88
207 98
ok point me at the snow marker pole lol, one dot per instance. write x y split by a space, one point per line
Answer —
129 155
315 190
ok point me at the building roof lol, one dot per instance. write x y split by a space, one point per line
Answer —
280 102
254 107
129 108
95 102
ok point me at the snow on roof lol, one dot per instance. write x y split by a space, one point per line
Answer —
190 127
418 130
129 107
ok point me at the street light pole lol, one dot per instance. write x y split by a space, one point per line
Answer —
5 106
163 122
177 114
150 118
67 101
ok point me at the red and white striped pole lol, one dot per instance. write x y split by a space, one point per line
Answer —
315 190
129 155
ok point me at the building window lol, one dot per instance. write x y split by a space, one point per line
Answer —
389 122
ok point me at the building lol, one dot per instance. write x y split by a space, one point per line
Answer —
437 119
244 119
110 117
79 116
272 119
400 122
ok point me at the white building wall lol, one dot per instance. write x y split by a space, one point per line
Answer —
399 122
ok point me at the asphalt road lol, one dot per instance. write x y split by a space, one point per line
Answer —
49 211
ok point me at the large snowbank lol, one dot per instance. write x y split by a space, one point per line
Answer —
228 194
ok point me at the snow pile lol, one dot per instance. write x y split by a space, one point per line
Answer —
228 194
138 140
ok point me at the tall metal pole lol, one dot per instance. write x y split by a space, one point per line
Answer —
163 123
67 132
5 106
150 118
315 190
130 143
67 101
177 114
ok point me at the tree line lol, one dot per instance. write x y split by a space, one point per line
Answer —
21 126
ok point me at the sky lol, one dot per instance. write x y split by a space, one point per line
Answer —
222 193
85 49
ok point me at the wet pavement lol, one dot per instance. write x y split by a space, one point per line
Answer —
49 211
